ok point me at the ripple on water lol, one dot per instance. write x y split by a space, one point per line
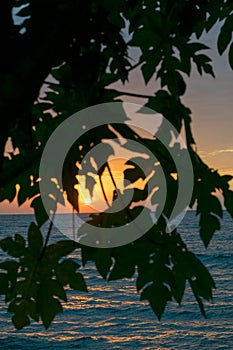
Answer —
110 316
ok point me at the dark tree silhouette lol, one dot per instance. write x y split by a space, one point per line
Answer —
74 50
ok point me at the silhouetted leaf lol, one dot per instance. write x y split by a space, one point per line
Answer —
40 212
198 299
124 266
77 282
149 67
81 65
14 247
179 284
20 321
208 225
35 239
201 62
230 54
49 307
201 278
64 269
69 181
3 283
158 296
174 82
225 34
62 248
208 69
54 288
103 261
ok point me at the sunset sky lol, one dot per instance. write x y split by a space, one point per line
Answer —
211 103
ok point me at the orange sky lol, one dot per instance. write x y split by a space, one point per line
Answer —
211 103
214 142
86 202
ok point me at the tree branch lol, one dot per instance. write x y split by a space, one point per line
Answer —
47 237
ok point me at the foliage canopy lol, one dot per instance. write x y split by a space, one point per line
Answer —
83 48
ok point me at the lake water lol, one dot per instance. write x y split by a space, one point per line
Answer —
110 315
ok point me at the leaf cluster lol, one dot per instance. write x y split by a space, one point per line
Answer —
68 53
162 264
34 282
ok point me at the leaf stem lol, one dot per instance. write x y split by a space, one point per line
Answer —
103 191
128 211
112 178
133 94
47 237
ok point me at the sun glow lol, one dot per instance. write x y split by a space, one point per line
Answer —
87 201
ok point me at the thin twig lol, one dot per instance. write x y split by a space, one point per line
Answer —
112 178
104 193
128 211
47 237
126 93
133 94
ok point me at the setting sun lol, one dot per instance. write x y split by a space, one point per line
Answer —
87 201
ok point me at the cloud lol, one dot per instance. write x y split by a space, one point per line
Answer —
217 152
